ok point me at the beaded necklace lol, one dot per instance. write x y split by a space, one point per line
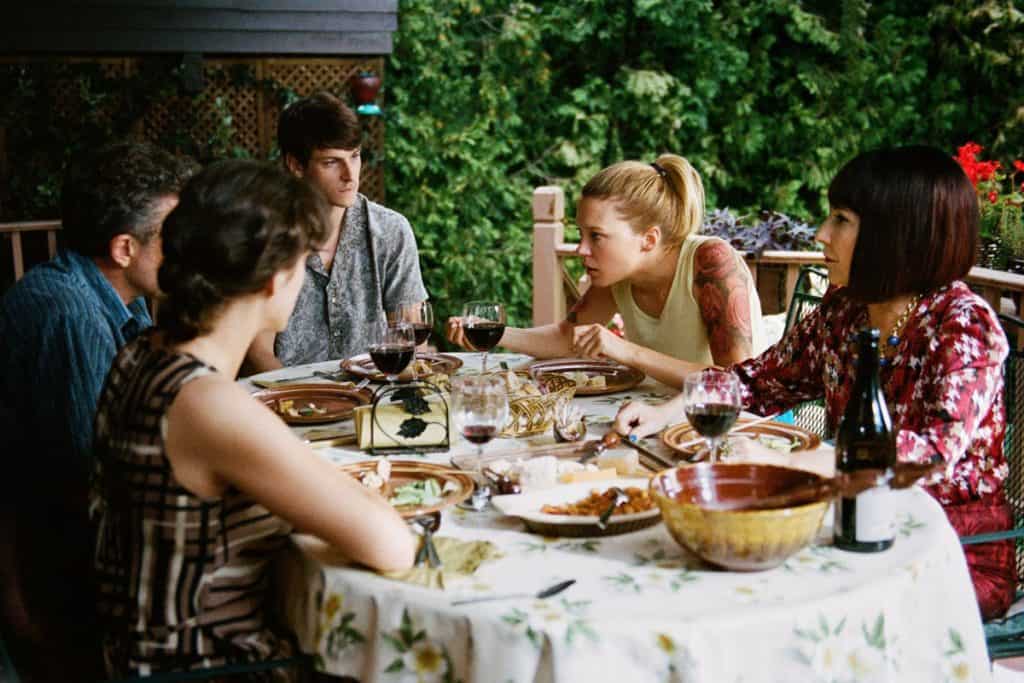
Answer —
893 340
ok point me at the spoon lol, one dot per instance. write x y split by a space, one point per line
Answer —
847 485
548 592
595 447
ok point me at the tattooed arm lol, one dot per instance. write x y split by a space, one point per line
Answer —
721 285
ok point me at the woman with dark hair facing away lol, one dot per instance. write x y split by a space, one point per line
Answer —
901 232
682 296
198 485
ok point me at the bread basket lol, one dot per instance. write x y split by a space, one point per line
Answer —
531 414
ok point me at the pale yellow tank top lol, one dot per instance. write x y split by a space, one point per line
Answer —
680 331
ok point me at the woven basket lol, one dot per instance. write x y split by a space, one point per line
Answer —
530 415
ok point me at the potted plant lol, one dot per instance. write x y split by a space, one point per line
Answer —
1000 198
769 230
365 86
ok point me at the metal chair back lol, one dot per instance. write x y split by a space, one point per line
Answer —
811 284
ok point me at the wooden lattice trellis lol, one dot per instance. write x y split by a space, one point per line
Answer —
252 107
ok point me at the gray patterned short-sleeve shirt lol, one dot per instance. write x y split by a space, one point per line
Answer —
376 269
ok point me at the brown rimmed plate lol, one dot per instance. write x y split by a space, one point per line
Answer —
362 366
337 402
767 433
409 471
617 377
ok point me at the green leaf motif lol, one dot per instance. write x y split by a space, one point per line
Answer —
395 643
957 643
412 400
396 665
876 636
411 427
623 581
578 627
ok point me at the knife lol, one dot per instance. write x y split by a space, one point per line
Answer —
548 592
649 459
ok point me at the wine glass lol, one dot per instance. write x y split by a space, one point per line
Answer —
393 349
484 324
421 316
479 411
711 399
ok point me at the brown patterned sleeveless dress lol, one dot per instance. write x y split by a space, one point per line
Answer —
183 581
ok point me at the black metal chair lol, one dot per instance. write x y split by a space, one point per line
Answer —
1005 637
301 663
811 284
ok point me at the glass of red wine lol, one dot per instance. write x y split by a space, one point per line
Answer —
711 399
479 410
420 315
484 325
393 349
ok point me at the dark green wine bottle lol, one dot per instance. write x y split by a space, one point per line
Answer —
865 523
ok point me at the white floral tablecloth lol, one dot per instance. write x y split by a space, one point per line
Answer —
644 610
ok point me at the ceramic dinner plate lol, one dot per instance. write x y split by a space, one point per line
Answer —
527 507
314 403
617 377
362 366
408 471
778 435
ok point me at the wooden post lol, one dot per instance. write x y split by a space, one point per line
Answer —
548 234
19 259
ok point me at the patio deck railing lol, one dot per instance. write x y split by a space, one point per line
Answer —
14 233
775 272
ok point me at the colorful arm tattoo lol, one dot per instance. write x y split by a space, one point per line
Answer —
723 292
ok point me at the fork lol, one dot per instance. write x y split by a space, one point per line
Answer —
620 498
427 552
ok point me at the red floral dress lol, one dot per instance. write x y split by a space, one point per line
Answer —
943 386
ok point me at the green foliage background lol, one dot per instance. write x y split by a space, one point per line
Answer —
486 99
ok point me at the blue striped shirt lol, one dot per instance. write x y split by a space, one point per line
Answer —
60 327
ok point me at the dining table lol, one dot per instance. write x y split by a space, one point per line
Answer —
641 607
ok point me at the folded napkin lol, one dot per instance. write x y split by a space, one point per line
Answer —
457 558
395 427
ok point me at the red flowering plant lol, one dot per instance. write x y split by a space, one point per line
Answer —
1002 221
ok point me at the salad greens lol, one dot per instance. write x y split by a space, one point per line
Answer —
425 492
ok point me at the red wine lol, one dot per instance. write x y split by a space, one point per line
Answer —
484 336
479 434
712 419
422 332
391 359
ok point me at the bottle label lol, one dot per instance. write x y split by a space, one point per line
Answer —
873 515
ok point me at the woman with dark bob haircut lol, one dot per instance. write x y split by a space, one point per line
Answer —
198 485
901 232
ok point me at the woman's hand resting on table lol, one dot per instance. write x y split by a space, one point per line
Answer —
597 341
642 419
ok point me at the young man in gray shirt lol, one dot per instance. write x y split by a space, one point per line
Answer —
369 265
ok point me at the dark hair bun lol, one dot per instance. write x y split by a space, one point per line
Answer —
237 224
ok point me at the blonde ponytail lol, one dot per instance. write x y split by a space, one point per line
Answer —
667 193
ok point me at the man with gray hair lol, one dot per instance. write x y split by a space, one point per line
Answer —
60 327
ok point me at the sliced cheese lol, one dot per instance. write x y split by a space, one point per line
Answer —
590 475
625 461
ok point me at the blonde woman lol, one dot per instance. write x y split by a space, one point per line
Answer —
684 297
